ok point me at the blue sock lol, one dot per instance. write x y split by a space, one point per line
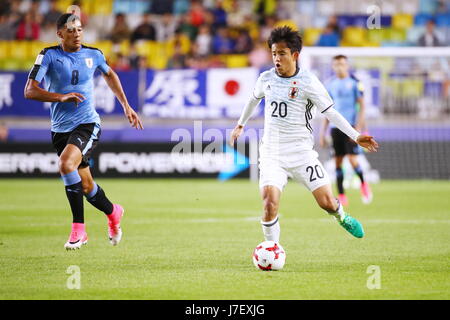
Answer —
359 173
340 180
98 199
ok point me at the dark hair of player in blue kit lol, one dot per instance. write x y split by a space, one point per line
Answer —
285 34
62 20
339 57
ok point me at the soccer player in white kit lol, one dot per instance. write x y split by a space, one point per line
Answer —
292 98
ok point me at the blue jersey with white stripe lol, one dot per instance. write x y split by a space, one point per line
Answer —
345 93
66 72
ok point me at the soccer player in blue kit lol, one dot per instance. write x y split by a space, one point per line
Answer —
347 92
68 70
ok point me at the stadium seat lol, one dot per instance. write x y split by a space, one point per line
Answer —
402 20
354 36
87 7
421 19
311 35
105 46
62 5
236 61
376 35
185 45
11 64
5 49
103 7
270 6
146 48
396 34
37 46
21 49
443 20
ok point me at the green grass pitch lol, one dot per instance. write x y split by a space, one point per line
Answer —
193 239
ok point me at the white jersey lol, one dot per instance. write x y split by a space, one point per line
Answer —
290 105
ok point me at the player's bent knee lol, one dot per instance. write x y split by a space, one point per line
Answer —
67 166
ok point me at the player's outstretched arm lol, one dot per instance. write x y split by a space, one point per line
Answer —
113 81
246 114
367 142
237 131
323 133
339 121
34 92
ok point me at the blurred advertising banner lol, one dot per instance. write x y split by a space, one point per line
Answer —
198 94
13 102
132 160
187 94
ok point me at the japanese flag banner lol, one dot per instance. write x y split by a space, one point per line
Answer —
229 89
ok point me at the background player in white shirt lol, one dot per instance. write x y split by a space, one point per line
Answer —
292 97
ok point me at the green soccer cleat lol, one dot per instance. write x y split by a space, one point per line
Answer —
353 226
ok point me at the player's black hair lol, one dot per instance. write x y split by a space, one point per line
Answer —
340 56
62 20
285 34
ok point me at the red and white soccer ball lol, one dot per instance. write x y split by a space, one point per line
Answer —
268 256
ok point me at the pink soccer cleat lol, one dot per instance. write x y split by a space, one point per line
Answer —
114 230
343 199
77 238
366 193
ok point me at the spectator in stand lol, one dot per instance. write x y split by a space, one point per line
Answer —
12 17
267 28
259 57
429 38
178 60
222 43
145 30
196 61
133 57
36 12
84 18
236 16
161 7
329 38
47 33
7 29
52 14
28 28
120 30
122 63
263 8
165 27
142 62
197 13
204 40
244 43
187 27
333 23
220 15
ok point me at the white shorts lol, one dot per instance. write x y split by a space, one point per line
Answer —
308 171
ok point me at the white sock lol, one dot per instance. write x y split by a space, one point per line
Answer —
271 230
339 214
